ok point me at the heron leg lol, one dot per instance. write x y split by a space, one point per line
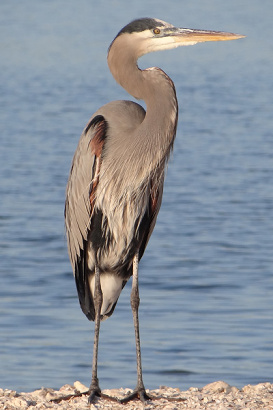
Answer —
139 391
94 386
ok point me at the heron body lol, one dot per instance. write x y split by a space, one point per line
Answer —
123 208
115 186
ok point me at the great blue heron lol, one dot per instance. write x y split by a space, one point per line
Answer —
115 186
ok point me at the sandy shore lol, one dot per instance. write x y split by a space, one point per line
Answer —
218 396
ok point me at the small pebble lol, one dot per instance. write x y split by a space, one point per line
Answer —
80 387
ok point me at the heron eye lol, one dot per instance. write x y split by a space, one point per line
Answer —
156 31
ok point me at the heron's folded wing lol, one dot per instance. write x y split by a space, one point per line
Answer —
80 196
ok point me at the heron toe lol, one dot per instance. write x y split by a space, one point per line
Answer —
94 393
137 394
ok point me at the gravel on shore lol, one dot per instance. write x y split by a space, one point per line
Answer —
217 396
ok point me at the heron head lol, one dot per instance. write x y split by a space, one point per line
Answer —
148 35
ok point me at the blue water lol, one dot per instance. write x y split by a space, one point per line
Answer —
206 279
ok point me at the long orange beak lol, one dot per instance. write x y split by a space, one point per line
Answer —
188 36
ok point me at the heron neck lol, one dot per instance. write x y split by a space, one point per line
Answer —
151 85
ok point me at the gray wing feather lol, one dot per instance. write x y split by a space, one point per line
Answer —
77 205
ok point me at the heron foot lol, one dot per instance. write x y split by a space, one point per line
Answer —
95 392
138 393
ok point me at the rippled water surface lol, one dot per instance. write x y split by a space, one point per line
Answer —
206 278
